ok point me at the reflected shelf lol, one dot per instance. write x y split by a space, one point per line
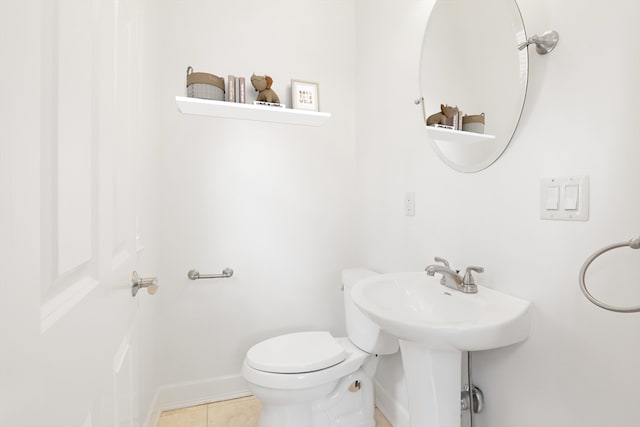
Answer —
458 136
232 110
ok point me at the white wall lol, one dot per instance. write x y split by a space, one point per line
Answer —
274 202
283 205
579 367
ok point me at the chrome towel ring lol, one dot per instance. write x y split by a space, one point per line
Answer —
633 244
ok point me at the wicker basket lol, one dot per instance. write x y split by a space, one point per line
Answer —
474 123
204 85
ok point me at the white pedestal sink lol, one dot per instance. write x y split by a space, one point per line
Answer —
435 324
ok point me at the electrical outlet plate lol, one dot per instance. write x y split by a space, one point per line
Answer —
564 198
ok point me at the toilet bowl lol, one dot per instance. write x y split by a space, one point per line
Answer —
312 379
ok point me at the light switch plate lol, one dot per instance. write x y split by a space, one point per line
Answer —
569 207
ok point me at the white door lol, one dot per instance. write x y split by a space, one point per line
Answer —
68 218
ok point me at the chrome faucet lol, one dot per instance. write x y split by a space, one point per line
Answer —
451 278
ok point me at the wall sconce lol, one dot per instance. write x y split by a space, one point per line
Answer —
545 43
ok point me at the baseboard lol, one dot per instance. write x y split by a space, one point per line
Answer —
193 393
397 414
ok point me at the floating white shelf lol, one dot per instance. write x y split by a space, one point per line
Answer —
457 136
233 110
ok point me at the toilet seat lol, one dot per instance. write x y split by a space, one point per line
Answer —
276 381
296 353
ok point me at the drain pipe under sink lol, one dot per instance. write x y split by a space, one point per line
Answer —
471 398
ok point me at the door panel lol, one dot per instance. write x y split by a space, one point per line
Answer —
69 140
73 164
68 218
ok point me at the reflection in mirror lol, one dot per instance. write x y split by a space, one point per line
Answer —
470 59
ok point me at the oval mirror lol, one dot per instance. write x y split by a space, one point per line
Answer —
470 59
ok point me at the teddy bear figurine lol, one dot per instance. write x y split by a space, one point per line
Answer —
262 84
446 112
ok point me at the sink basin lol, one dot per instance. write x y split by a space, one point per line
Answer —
416 307
435 324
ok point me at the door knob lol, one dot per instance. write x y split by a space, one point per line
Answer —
137 283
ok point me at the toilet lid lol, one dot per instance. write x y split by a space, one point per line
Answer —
296 353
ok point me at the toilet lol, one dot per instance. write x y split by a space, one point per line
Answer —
312 379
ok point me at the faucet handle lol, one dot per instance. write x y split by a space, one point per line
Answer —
442 260
468 278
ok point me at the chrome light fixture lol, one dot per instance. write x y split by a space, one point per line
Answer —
545 43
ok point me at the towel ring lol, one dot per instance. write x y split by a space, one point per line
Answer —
633 244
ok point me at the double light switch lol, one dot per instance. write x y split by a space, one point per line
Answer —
565 198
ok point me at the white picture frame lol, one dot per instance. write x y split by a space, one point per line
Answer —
304 95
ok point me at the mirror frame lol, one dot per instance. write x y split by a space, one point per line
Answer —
450 151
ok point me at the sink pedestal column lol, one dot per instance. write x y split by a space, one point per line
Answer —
433 384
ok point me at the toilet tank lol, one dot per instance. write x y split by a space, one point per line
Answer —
362 331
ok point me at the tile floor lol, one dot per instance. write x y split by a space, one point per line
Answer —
242 412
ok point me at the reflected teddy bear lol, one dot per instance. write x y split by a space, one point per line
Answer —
444 116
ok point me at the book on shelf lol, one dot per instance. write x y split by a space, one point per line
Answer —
241 90
231 88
